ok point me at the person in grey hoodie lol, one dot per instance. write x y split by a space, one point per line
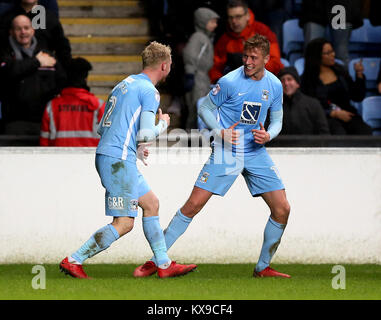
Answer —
198 60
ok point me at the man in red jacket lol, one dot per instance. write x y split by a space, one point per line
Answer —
72 118
241 26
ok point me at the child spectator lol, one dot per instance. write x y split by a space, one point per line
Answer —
198 60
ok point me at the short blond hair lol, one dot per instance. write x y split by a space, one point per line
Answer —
260 42
155 53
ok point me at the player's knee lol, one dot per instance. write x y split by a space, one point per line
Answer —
126 229
123 225
281 212
152 208
191 208
286 208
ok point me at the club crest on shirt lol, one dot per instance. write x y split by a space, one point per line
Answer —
216 89
265 95
204 177
134 204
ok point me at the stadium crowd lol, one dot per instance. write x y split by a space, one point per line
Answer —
324 86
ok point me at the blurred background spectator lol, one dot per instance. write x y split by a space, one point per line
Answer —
30 77
172 22
7 5
330 82
198 60
51 37
301 114
72 118
241 26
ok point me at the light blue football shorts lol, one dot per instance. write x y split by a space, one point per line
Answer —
124 185
223 168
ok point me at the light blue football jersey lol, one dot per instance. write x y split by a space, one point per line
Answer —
121 121
243 99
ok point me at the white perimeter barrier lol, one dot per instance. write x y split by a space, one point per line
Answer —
51 201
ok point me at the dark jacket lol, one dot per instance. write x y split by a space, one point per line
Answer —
303 115
52 37
349 90
374 12
27 87
320 11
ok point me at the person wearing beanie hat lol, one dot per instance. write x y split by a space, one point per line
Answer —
291 71
198 60
301 114
72 118
77 72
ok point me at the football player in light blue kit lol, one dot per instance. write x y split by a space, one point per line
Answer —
242 99
129 118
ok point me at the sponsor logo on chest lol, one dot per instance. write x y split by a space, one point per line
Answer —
250 112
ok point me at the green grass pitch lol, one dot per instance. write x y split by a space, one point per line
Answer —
208 282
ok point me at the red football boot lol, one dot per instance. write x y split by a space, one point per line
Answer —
72 269
269 272
145 270
175 270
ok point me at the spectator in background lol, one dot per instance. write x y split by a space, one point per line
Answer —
72 118
241 26
31 77
301 114
198 60
330 82
51 37
316 16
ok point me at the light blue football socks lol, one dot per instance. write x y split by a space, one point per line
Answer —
155 237
175 229
98 242
272 236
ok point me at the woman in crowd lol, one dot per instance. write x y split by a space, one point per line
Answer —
331 83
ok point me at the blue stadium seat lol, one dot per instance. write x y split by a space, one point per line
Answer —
365 41
371 113
299 64
285 62
371 69
293 40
